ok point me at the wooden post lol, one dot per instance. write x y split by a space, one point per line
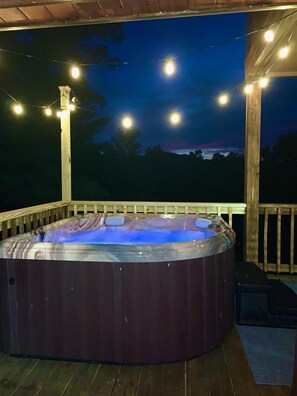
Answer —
65 143
252 168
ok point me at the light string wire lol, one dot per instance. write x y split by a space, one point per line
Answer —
126 62
44 106
223 42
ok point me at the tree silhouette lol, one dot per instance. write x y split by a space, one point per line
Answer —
125 143
218 157
197 154
285 148
266 154
32 140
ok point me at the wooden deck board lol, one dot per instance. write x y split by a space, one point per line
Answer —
219 377
6 364
273 390
82 380
222 372
197 377
159 380
147 380
14 378
241 376
283 278
174 379
34 382
58 379
127 381
104 381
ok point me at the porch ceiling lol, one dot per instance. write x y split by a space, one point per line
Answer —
45 13
262 58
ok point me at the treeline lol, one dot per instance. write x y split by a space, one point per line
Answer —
157 175
116 170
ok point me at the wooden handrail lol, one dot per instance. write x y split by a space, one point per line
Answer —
278 212
13 214
18 221
158 207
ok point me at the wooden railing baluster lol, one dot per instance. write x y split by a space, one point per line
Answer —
265 238
292 245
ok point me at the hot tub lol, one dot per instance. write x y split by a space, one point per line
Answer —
124 289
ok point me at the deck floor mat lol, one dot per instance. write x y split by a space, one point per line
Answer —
270 353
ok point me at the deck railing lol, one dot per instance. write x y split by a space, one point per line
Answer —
277 247
277 231
22 220
228 209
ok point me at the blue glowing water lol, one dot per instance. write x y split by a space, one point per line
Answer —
123 236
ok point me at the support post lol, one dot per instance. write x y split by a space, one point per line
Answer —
252 173
65 143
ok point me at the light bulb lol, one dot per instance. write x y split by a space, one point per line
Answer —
75 72
223 99
263 82
18 108
48 111
248 88
59 114
283 52
175 118
127 122
71 107
169 67
269 36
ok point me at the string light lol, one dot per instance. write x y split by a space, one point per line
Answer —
169 67
75 72
175 118
283 52
223 99
127 122
223 42
248 88
269 36
48 111
18 108
263 82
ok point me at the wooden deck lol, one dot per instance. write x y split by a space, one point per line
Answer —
223 372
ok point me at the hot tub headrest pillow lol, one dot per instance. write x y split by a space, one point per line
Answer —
114 221
203 223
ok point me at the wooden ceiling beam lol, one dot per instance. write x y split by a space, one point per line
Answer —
261 57
203 4
38 14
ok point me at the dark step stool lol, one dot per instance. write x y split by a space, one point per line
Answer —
263 302
281 299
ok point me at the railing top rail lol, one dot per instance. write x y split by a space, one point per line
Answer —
13 214
152 203
276 205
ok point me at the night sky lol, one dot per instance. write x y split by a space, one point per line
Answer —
141 89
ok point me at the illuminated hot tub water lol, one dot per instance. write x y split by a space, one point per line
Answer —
121 288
